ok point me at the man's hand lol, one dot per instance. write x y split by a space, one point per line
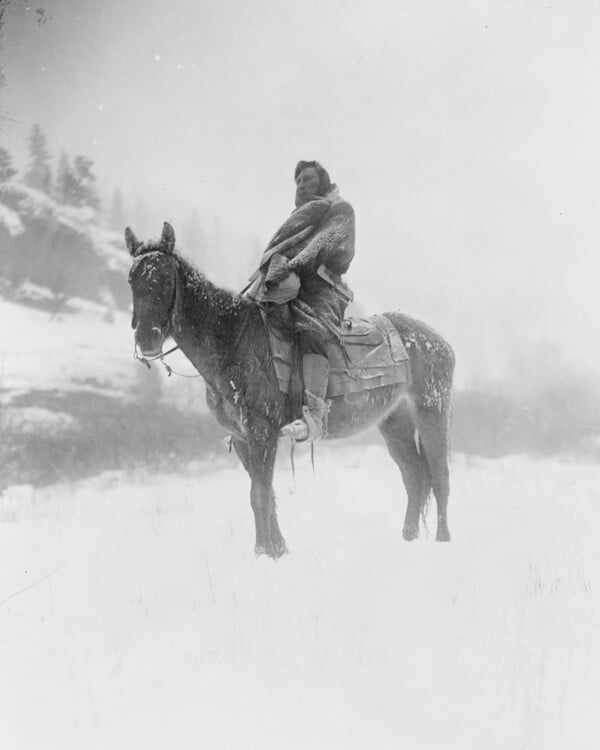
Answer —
278 270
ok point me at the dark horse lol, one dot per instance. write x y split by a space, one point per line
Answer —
223 336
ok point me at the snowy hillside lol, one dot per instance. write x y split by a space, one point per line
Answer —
74 400
84 347
133 613
60 246
75 349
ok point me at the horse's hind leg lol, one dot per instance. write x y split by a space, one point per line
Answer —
398 431
433 430
258 459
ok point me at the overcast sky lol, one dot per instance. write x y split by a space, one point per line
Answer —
465 134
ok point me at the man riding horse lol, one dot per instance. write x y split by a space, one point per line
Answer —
299 278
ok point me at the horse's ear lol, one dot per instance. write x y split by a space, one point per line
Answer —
132 241
167 239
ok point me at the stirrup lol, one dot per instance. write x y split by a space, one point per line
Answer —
305 429
297 430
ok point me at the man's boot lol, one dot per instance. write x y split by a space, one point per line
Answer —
313 425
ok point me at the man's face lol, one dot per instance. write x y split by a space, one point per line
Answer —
307 185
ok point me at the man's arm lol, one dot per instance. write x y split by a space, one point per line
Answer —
310 214
333 242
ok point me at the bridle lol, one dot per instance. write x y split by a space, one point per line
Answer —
146 360
161 355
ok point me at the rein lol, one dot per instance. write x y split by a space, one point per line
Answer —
146 360
170 371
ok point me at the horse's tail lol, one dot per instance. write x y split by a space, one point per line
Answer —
426 496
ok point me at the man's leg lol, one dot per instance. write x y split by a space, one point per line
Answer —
315 373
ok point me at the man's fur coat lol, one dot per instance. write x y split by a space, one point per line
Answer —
317 243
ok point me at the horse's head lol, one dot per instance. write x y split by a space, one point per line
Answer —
153 281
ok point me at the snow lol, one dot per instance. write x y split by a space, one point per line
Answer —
134 614
84 348
11 221
109 246
34 420
82 220
74 350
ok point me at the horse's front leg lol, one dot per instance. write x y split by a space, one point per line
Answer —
258 458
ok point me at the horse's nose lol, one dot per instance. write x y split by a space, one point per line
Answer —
149 340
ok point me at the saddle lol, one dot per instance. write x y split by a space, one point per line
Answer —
368 354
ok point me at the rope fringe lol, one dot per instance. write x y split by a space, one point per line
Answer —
292 447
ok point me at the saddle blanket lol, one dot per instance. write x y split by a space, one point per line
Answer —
371 355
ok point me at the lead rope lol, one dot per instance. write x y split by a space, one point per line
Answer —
171 371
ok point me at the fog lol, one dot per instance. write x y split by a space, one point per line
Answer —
464 134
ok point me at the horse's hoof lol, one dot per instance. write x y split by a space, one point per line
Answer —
279 550
443 535
274 551
261 550
410 533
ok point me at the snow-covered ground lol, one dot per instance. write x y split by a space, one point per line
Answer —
81 349
73 350
133 613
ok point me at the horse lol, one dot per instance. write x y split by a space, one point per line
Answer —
224 337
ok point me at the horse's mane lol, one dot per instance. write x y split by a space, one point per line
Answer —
203 288
205 306
196 281
223 311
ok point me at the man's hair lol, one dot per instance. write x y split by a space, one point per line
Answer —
324 181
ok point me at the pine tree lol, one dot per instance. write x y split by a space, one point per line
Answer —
86 194
64 186
75 182
6 168
38 175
